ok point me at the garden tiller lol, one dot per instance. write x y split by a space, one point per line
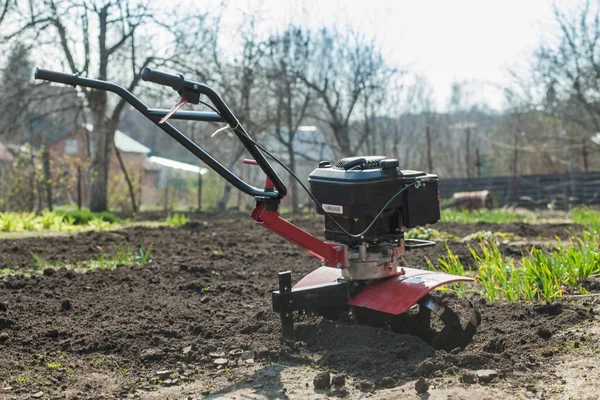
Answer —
367 202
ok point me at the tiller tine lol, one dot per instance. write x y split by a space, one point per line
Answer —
452 335
384 303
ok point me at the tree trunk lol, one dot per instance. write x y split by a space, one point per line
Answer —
103 136
47 177
343 138
129 184
429 156
199 192
79 189
222 204
292 184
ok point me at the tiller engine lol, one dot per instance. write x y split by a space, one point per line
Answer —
368 203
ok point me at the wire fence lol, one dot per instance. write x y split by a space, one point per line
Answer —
554 191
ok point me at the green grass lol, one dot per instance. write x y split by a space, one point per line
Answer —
539 275
83 217
484 215
55 221
176 220
122 255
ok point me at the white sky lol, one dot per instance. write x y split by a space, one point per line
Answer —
444 40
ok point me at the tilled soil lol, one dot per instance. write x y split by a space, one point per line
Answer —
202 306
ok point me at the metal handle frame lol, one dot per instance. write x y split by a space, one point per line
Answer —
224 115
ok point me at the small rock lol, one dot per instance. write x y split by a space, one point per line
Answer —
204 299
51 333
486 375
221 361
364 386
7 389
66 305
3 307
217 354
152 354
49 272
544 333
248 355
262 352
322 380
547 353
171 382
387 382
3 337
338 380
258 386
421 385
188 354
37 395
426 368
163 374
236 352
468 377
341 392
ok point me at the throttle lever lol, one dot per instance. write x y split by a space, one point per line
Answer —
177 106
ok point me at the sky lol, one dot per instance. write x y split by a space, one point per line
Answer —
446 41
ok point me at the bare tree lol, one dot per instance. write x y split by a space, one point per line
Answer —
344 69
288 56
569 71
241 81
102 39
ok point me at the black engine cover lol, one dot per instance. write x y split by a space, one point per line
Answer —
356 188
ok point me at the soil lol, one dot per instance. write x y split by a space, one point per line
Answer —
197 320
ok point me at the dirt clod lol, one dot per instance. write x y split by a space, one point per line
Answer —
322 380
364 386
3 307
163 374
468 377
66 305
544 333
152 354
221 361
338 380
387 382
49 272
3 337
421 385
486 375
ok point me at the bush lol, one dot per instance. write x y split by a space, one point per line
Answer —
84 217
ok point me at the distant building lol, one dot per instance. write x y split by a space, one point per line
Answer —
147 171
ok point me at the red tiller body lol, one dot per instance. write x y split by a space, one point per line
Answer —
333 254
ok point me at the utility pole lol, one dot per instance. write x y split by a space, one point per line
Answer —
584 153
468 149
515 166
478 162
428 143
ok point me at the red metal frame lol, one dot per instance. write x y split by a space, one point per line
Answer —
333 254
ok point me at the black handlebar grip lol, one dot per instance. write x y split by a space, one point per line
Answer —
67 79
174 81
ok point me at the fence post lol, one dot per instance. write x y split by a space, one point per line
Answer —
79 190
47 176
199 192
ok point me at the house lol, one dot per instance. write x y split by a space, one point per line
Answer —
147 173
